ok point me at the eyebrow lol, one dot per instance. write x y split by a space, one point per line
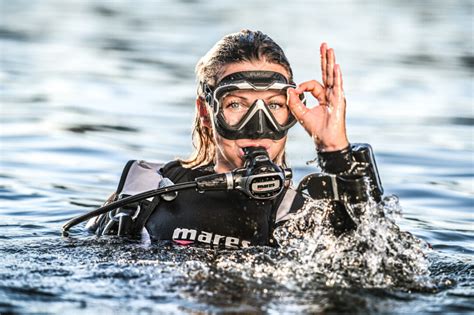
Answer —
246 98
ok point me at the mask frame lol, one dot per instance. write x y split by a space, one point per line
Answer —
258 122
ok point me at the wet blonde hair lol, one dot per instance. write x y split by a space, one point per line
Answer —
243 46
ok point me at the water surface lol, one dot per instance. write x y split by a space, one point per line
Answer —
87 85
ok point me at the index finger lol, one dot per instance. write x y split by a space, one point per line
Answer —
316 89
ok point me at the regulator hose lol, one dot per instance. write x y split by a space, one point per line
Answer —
123 202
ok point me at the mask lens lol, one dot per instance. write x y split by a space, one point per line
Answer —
234 109
235 105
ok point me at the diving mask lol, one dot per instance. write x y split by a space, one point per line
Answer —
241 113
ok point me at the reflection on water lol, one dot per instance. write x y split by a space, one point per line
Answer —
88 85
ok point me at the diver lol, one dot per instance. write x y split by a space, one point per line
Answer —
236 187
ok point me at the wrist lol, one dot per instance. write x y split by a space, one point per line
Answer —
321 147
337 161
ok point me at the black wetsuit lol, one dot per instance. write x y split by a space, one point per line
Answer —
216 217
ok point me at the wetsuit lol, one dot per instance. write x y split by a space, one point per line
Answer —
227 218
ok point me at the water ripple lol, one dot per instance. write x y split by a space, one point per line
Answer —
88 85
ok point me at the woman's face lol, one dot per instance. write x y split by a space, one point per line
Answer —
229 152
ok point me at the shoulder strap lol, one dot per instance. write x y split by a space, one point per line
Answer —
291 202
171 170
139 176
285 205
144 214
123 177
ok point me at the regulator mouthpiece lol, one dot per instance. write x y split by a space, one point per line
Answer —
260 178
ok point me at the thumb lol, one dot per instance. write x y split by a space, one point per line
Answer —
296 106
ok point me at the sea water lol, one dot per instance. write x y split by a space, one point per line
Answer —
87 85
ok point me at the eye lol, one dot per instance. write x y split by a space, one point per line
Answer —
234 105
274 106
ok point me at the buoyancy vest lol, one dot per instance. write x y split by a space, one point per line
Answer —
218 218
230 218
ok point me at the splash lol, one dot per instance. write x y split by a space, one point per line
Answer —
377 254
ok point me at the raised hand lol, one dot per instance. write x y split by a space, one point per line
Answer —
325 122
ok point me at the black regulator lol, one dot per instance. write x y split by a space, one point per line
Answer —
259 178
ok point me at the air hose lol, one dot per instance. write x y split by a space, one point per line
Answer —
123 202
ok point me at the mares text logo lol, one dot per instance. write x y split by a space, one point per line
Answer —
185 236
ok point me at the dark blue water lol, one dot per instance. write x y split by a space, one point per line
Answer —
87 85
